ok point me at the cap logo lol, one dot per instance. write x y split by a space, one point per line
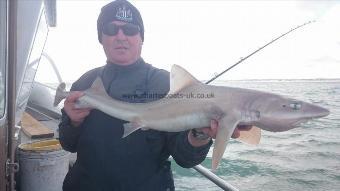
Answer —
124 14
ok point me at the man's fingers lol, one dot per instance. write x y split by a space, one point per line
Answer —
214 124
76 114
236 133
70 102
244 127
239 128
74 96
81 115
212 130
82 112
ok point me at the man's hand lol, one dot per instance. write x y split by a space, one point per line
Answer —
212 131
76 115
236 133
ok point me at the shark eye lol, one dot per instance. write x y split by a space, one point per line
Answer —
295 106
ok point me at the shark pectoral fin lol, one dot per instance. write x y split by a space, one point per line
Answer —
253 136
224 132
131 127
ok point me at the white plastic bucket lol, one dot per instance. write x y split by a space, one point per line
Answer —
42 166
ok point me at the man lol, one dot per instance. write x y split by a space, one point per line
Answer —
105 161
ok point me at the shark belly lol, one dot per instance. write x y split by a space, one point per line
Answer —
178 123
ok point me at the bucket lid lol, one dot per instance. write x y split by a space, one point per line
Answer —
45 145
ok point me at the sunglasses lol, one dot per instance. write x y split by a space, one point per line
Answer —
128 29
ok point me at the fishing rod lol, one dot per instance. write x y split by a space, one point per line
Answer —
201 169
257 50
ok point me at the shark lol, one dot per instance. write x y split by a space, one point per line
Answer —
180 110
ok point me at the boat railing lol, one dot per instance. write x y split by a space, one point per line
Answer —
214 178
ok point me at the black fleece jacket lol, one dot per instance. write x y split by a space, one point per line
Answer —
108 162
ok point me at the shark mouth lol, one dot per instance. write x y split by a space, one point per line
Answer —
300 122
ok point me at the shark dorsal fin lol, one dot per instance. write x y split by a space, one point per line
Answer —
98 88
180 78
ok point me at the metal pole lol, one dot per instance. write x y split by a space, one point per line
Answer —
11 81
54 66
214 178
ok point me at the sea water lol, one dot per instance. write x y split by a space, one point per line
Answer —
305 158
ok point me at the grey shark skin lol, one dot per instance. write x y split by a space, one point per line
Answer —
229 106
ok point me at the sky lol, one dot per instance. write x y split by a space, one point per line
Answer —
206 37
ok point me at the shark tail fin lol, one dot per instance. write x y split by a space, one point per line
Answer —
131 127
253 136
98 88
60 94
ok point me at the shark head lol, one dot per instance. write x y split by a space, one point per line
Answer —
277 113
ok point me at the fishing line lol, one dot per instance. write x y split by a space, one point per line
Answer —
217 180
257 50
